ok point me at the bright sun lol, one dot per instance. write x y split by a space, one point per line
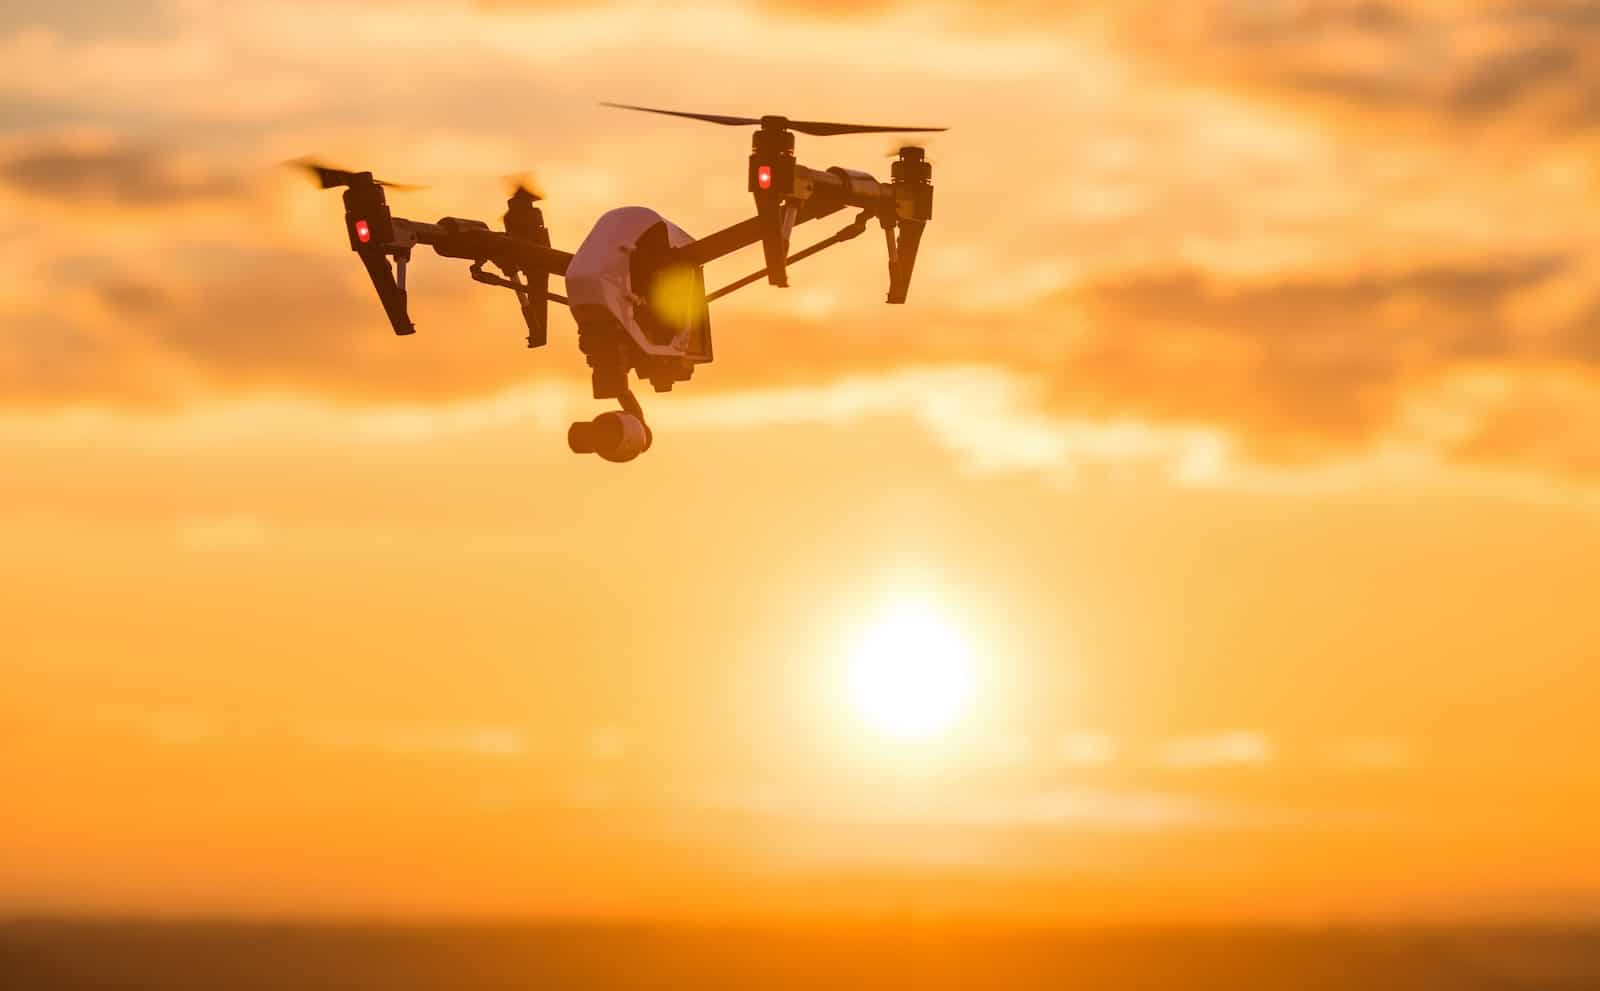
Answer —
911 675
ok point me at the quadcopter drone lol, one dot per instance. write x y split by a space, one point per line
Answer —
636 285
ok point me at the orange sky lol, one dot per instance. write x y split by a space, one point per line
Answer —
1243 425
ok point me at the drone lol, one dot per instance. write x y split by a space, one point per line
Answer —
636 284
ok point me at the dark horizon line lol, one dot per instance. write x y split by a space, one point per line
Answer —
910 919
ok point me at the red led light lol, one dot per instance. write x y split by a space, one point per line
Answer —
764 176
363 232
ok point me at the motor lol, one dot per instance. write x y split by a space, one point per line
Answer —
615 436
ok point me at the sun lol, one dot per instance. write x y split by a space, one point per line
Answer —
910 676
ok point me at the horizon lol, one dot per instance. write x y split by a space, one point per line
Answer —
74 956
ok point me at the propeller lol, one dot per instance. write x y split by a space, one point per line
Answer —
524 186
816 128
328 177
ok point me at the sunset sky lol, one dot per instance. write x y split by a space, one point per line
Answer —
1241 439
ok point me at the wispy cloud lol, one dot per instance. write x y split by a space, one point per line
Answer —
1213 273
1087 749
126 175
1040 808
987 414
1236 748
475 741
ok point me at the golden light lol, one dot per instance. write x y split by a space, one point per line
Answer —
911 674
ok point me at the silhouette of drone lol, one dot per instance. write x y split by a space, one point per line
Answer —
636 285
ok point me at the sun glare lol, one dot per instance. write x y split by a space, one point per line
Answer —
911 674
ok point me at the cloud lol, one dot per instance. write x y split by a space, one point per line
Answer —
209 319
1478 64
1041 809
819 10
1297 369
1206 374
473 741
1086 749
987 414
1200 282
1237 748
1547 423
125 175
1481 65
92 18
1290 371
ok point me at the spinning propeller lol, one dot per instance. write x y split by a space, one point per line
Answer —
523 187
816 128
329 177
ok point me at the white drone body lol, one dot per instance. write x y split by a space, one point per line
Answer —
602 271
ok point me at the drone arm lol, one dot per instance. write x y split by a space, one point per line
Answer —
505 250
903 206
723 242
528 253
522 251
490 279
745 233
855 229
474 241
787 193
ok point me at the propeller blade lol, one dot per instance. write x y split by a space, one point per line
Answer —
816 128
329 177
524 184
823 129
326 176
711 118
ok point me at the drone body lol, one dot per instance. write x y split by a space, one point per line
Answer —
636 284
